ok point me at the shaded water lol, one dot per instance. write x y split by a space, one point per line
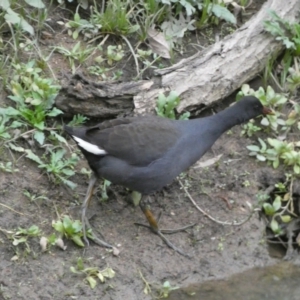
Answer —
278 282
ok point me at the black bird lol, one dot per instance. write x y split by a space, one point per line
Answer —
146 153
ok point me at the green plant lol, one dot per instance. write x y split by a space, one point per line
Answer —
114 19
57 167
77 53
279 209
278 71
34 98
8 167
146 14
98 71
165 106
33 197
114 54
16 14
250 128
286 32
215 10
78 120
22 235
165 290
91 274
106 184
293 79
79 25
70 229
6 125
279 152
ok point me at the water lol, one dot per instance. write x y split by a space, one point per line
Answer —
278 282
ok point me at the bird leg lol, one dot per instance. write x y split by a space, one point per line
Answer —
153 225
84 219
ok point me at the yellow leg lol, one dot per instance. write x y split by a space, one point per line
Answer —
153 225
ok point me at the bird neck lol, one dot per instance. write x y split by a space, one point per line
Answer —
230 117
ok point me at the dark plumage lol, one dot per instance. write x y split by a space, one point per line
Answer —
146 153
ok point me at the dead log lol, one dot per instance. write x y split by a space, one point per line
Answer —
201 80
98 99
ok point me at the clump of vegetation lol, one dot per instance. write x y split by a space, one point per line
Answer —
277 147
165 106
286 32
70 229
91 274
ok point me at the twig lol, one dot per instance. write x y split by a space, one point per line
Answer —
234 223
133 54
22 134
25 133
19 213
145 282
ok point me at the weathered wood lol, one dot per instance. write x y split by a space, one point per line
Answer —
220 69
98 99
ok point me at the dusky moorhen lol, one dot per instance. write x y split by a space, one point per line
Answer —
146 153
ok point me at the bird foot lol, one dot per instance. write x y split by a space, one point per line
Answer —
161 232
92 236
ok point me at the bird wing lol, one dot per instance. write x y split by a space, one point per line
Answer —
138 141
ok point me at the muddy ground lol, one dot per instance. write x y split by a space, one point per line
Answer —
217 250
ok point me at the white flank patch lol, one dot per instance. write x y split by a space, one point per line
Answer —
89 147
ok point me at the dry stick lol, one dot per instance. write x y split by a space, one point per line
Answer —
210 217
134 56
8 207
25 133
145 281
98 37
22 134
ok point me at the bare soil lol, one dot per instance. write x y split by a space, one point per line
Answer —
224 190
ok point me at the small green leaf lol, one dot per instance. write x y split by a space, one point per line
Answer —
36 101
223 13
69 183
92 282
296 169
16 241
68 172
58 226
136 198
17 19
276 163
16 148
101 277
108 273
265 122
39 136
80 264
58 137
67 222
277 203
275 226
253 148
286 219
35 3
269 209
54 112
245 89
73 270
77 240
260 157
33 157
